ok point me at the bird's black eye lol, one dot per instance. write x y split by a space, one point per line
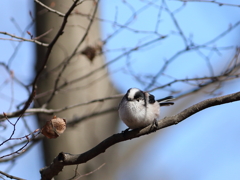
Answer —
139 96
151 99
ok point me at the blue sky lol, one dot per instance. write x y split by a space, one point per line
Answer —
205 146
15 18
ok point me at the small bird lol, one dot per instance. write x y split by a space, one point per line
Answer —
139 109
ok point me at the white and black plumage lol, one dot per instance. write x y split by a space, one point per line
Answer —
139 109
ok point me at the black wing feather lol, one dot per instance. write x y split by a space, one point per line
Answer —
165 101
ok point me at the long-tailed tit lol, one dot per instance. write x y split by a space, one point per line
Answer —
139 109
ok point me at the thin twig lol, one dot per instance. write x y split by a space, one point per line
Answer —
73 54
211 1
49 50
50 9
24 39
10 176
212 79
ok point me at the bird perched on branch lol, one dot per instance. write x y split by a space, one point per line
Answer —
139 109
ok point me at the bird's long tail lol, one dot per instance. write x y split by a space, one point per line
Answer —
166 101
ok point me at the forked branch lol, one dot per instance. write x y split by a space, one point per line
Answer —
64 159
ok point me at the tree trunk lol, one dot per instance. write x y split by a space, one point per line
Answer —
90 132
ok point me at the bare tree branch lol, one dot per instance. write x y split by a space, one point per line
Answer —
212 1
49 50
50 9
77 176
10 176
23 39
199 82
16 145
51 111
74 52
64 159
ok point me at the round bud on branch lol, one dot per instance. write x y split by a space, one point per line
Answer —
54 127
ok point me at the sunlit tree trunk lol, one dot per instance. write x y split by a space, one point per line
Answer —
90 132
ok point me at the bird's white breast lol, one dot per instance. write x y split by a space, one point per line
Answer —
135 115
